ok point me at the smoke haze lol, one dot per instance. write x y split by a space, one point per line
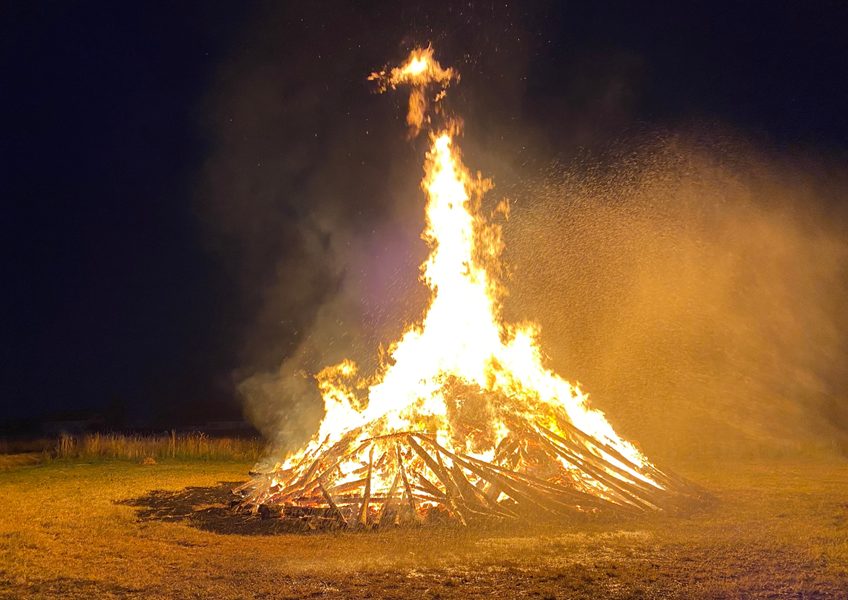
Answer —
695 286
692 283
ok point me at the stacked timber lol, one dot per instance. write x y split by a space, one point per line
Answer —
411 477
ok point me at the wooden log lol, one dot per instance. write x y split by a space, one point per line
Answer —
569 495
381 460
410 498
389 497
574 458
507 489
404 500
595 466
293 489
428 486
601 462
490 490
505 486
617 488
671 479
308 456
348 486
454 498
256 481
334 508
597 473
623 485
438 469
351 499
363 511
398 435
476 499
468 492
508 457
269 512
282 475
486 470
259 488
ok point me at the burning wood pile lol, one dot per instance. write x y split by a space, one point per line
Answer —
462 422
409 477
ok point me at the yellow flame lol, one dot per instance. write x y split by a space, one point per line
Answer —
417 66
462 373
419 70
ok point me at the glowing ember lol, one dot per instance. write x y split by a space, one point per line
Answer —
463 417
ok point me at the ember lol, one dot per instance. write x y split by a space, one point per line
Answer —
463 421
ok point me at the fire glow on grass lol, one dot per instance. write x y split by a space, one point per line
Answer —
463 419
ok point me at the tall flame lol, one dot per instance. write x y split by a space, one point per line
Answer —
462 374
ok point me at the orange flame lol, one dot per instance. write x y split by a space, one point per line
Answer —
462 374
418 71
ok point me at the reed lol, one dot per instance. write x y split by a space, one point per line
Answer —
189 446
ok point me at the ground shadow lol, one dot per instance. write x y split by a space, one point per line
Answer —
210 509
213 509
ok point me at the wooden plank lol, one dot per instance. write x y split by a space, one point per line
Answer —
616 487
293 489
348 486
477 498
438 469
469 492
334 508
601 462
515 486
428 486
643 497
363 511
454 496
671 479
410 498
389 497
507 489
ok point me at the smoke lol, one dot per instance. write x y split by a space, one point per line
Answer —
695 286
317 250
306 199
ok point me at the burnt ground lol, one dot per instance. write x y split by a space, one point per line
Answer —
120 530
212 508
207 508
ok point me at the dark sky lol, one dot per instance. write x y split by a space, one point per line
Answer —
119 275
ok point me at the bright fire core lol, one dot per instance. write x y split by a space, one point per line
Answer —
462 375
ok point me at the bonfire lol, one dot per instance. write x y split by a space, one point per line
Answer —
463 422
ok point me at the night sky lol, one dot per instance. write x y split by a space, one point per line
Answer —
123 276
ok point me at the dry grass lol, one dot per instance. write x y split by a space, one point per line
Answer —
190 446
779 531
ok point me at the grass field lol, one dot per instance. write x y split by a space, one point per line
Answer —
74 529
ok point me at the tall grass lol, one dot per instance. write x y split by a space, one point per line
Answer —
191 446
